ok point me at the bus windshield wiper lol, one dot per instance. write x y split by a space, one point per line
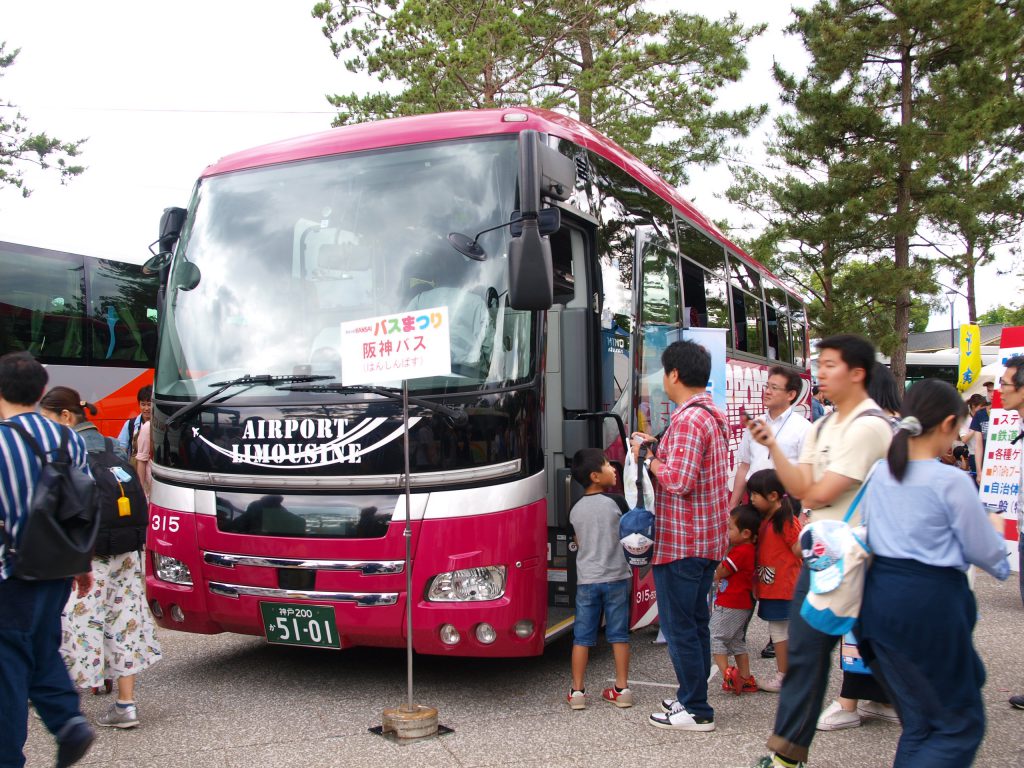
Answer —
457 417
247 381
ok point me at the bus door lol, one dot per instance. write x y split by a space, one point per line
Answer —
570 394
659 317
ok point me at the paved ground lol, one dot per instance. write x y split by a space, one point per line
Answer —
230 701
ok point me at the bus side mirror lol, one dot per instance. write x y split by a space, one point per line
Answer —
171 223
530 282
542 172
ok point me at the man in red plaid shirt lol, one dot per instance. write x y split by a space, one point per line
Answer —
691 509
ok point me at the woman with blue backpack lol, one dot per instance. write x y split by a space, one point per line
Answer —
108 633
926 527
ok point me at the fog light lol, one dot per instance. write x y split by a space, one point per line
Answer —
177 614
523 628
171 569
154 606
485 633
450 635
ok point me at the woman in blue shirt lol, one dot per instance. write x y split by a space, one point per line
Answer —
926 527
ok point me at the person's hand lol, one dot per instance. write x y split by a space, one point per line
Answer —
636 440
761 432
83 584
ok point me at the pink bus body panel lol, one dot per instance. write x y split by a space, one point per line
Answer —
515 538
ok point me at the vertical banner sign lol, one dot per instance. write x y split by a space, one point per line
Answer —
1001 469
713 340
970 356
409 345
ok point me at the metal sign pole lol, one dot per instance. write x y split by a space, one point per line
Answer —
408 540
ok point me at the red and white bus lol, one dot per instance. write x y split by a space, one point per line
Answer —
566 264
91 322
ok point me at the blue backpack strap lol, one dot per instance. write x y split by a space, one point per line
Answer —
860 493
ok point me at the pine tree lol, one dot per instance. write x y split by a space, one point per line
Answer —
19 147
646 79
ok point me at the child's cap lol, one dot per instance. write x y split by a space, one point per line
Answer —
823 543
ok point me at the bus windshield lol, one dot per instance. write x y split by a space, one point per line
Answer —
273 260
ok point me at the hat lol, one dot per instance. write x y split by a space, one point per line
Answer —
636 534
823 543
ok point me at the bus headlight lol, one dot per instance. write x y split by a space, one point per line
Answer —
471 584
171 569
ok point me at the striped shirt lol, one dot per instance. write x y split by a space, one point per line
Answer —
691 501
20 468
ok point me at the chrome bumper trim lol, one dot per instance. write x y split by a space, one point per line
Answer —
365 599
367 567
354 482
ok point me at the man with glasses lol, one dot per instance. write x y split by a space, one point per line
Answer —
790 429
1011 390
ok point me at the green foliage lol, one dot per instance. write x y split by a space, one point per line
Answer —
19 147
1003 315
648 80
897 95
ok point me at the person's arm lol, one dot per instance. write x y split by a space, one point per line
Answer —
982 545
678 463
979 451
739 485
795 478
743 460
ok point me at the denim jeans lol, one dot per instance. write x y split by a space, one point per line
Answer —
30 663
610 597
683 587
803 688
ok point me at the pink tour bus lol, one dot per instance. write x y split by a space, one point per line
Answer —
566 265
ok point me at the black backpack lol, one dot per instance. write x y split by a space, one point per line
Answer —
59 532
120 501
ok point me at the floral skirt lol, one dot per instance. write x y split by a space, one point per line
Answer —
109 633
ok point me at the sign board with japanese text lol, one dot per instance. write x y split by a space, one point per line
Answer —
1001 468
388 348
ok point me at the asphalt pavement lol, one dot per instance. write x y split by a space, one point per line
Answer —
232 700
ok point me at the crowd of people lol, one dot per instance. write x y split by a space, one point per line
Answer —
92 631
925 525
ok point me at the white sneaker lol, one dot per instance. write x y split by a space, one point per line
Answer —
835 718
678 719
875 710
773 684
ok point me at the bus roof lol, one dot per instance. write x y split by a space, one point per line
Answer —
446 126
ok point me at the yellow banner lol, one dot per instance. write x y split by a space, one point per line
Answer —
970 356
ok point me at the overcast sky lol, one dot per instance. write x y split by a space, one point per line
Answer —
162 90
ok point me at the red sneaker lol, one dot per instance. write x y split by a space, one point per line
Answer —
623 698
730 679
747 686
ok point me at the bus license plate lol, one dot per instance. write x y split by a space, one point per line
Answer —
309 625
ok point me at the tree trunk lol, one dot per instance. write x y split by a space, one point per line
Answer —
904 228
972 264
586 97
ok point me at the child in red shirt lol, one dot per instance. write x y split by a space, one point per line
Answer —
778 562
734 604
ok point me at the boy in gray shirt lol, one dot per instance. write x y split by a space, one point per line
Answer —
603 577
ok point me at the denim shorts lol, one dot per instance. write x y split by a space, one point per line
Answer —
613 597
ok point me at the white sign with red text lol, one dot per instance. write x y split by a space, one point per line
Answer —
407 345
